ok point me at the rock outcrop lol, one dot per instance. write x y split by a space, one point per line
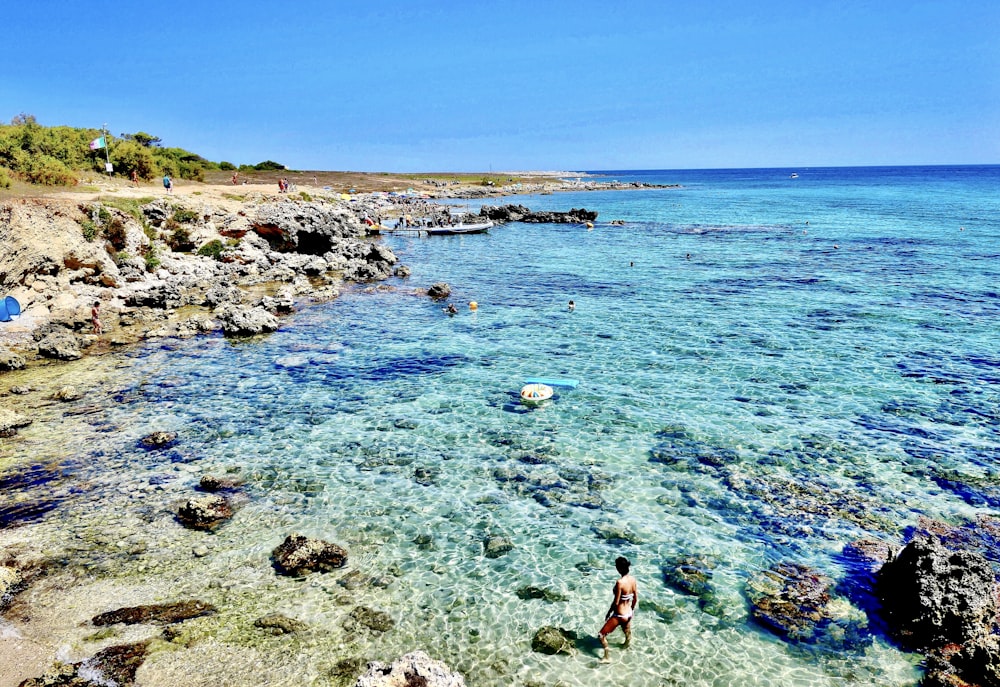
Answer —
554 640
10 422
299 555
115 665
162 614
205 512
519 213
932 596
242 320
415 669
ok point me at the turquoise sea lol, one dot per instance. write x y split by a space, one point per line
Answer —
769 368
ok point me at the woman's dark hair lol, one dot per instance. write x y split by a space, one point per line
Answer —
622 564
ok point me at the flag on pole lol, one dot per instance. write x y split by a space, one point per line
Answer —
98 142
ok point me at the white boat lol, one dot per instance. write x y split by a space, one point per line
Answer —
794 175
480 228
533 394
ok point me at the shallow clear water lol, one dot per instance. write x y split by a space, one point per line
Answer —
769 368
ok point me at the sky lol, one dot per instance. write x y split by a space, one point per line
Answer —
519 85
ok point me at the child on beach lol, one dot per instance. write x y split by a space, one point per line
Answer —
622 607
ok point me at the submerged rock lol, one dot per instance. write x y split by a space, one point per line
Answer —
791 599
363 618
532 592
278 624
690 575
157 440
415 669
554 640
299 555
214 483
205 512
496 546
155 613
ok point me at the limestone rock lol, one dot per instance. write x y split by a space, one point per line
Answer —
20 390
519 213
163 614
241 320
67 393
299 555
60 346
932 596
10 422
554 640
402 271
439 291
114 665
10 580
415 669
10 360
158 440
214 483
309 228
532 592
205 512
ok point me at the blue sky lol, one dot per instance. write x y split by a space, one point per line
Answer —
510 85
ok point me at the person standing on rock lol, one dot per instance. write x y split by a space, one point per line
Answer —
95 317
626 598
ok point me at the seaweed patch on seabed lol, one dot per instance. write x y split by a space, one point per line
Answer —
33 490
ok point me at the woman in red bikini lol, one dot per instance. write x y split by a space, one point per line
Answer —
622 607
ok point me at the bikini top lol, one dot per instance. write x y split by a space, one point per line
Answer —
625 597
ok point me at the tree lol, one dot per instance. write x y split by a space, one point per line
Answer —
129 156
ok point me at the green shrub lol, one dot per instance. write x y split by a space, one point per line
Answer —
114 232
305 196
213 249
89 230
180 240
103 214
150 233
122 256
131 206
48 171
184 215
268 166
232 243
152 259
227 166
5 180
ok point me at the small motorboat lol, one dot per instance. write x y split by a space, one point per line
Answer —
455 229
533 394
793 175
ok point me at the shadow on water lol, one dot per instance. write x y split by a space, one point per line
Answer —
32 491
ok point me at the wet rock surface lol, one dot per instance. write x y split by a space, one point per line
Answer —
299 555
554 640
10 360
415 669
278 624
205 512
158 440
439 290
163 614
363 618
60 346
11 421
932 595
519 213
496 546
115 665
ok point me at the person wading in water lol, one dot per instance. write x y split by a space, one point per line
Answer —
626 597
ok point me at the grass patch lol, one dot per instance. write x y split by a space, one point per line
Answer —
89 230
305 196
212 249
184 215
234 196
131 206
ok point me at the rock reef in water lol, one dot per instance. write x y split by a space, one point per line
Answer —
205 512
415 669
519 213
554 640
299 555
115 665
163 614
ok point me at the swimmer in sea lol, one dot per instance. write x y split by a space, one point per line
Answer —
622 607
451 309
572 306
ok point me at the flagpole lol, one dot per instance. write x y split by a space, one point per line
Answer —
107 155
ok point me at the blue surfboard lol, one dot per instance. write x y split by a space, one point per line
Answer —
548 381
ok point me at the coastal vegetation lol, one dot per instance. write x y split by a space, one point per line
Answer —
62 155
